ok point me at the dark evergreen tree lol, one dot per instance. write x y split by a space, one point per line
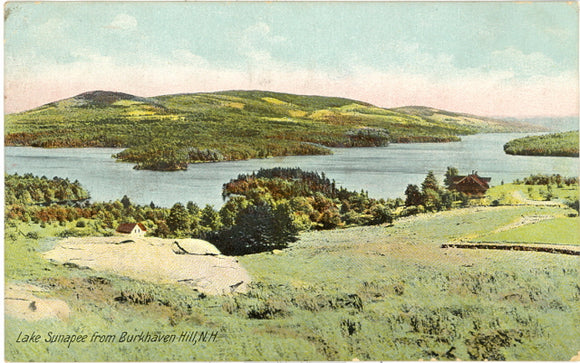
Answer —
125 201
414 196
430 182
449 175
431 200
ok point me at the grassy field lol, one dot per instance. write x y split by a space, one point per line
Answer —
371 293
168 132
522 193
561 231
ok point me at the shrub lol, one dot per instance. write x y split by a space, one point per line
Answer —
574 204
32 235
487 345
75 232
269 309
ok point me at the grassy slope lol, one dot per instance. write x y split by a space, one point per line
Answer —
232 124
559 231
417 301
558 144
518 193
467 120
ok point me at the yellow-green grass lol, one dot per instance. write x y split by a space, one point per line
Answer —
561 231
370 293
511 193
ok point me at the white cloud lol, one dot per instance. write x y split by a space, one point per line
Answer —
123 22
184 56
255 43
522 64
91 56
53 30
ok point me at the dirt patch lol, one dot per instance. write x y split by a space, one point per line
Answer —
155 260
519 195
524 221
21 302
515 247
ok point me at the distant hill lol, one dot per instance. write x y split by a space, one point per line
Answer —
483 124
552 123
168 132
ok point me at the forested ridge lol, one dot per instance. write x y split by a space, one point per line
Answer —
168 132
556 144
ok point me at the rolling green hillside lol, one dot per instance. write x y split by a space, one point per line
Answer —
558 144
168 132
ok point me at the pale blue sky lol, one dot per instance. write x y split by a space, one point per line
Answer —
489 58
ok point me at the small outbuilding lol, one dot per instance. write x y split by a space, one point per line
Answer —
134 229
472 184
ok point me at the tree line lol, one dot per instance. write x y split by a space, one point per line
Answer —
264 210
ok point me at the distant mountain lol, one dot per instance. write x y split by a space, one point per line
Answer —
552 123
168 132
104 97
478 122
98 99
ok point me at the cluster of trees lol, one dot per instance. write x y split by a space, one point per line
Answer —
408 139
314 199
431 196
549 181
368 136
557 144
27 189
543 179
264 210
156 156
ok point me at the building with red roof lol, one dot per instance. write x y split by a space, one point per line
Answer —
472 184
132 228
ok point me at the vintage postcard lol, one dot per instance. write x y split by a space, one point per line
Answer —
291 181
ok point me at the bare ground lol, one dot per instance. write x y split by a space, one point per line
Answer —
524 221
156 260
20 301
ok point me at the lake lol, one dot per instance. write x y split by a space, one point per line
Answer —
383 171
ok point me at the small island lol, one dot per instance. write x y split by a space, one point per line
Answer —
556 144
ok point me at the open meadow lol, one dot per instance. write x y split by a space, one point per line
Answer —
375 292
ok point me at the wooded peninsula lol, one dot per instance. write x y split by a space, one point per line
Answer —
557 144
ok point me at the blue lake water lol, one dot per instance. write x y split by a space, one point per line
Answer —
384 172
